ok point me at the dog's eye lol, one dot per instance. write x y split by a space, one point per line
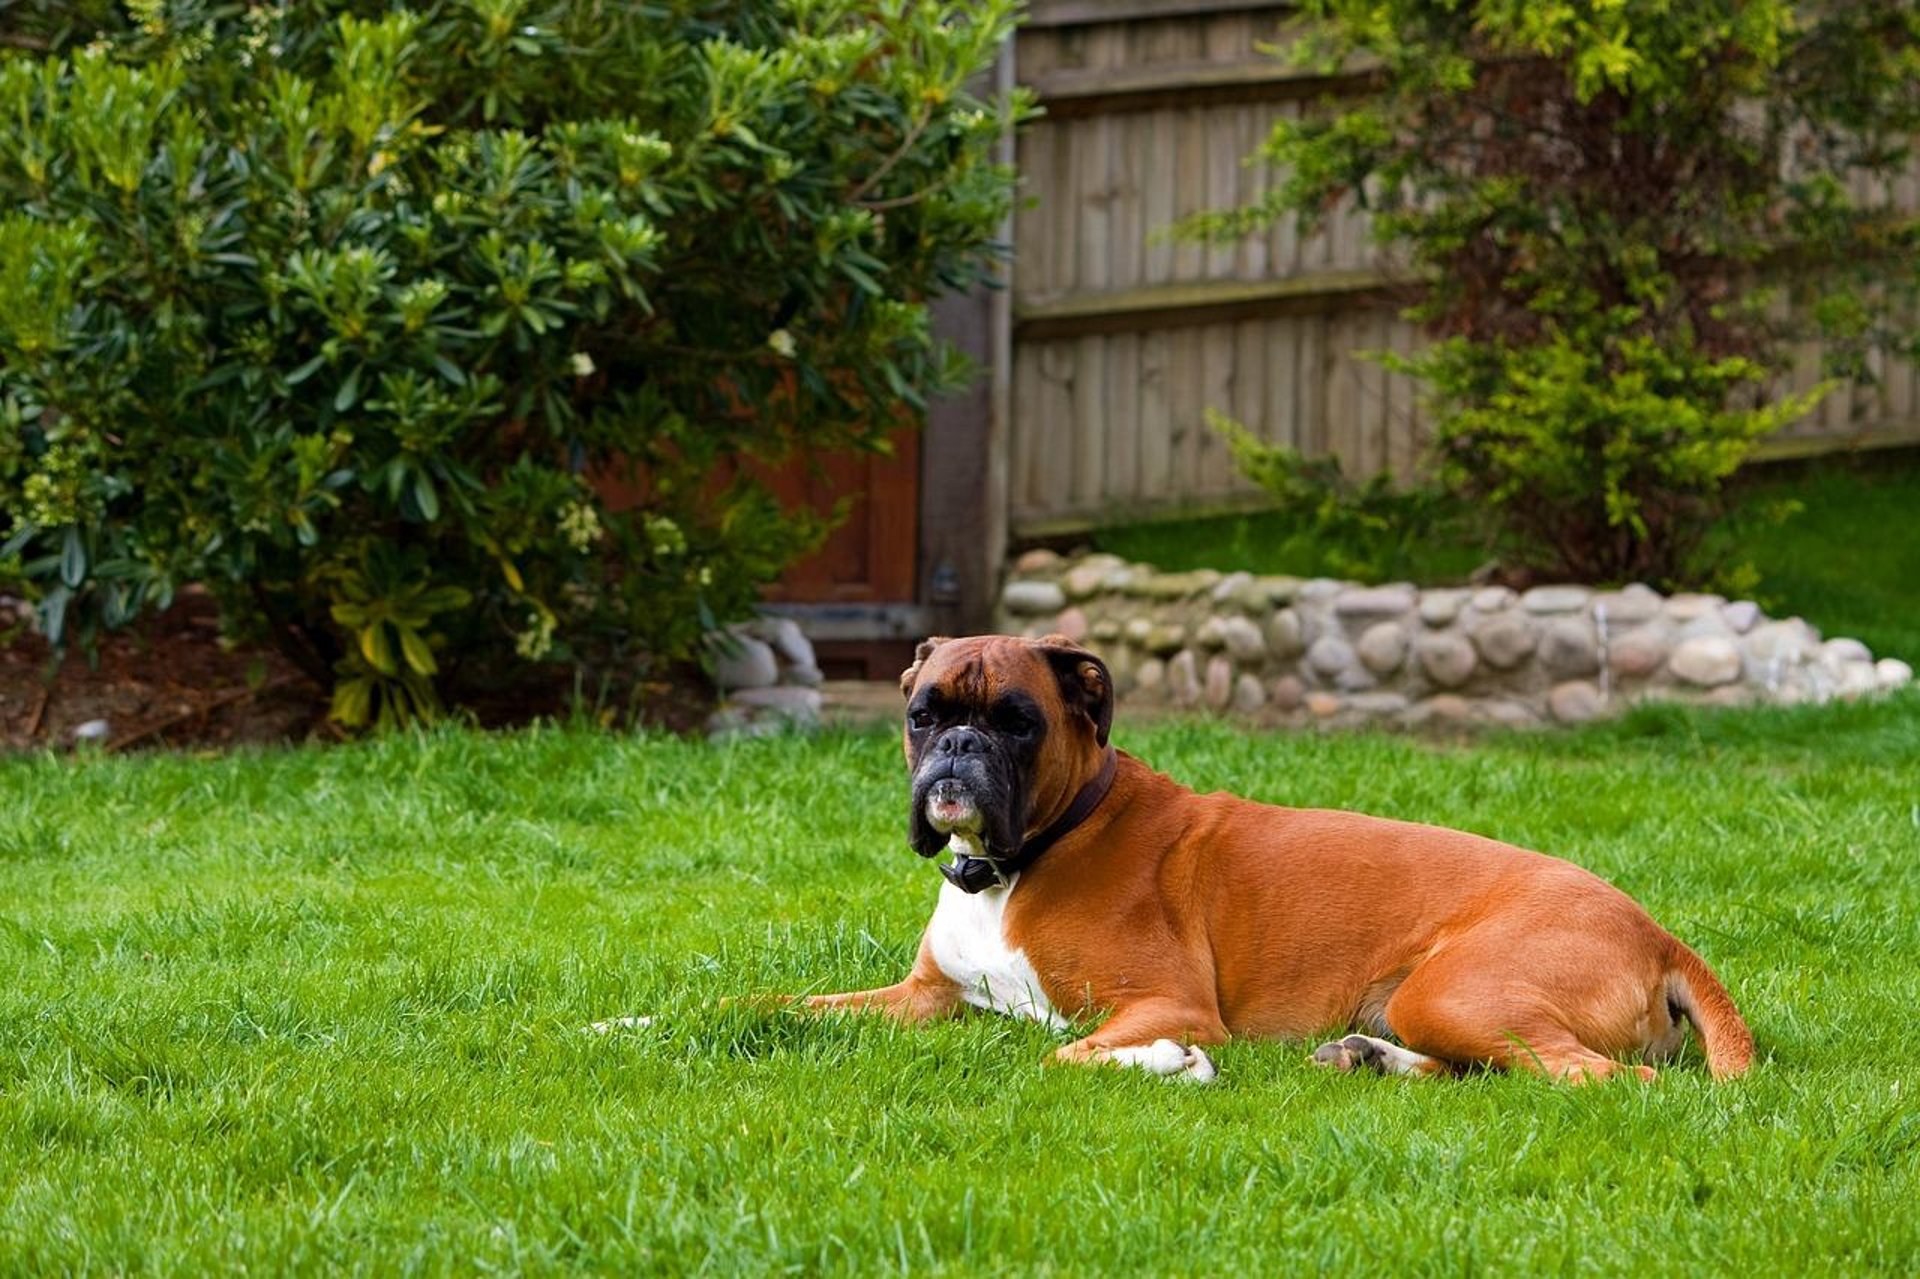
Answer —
1011 719
920 720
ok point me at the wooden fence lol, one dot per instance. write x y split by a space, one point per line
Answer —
1122 337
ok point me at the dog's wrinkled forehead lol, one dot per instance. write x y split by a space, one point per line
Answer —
977 670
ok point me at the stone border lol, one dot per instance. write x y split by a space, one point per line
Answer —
767 676
1319 650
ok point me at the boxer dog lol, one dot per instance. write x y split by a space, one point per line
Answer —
1085 885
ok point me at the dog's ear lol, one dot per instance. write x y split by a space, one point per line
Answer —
920 655
1085 683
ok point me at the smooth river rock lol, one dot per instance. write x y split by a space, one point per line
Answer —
1029 598
1330 655
1183 678
1242 638
1555 599
1627 607
1219 683
1284 634
1441 607
1383 647
1503 640
1575 702
1706 661
1374 601
1568 647
1638 653
1447 659
1845 650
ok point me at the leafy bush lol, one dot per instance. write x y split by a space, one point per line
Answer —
352 312
1595 201
1371 529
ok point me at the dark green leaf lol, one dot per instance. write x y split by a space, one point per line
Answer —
73 558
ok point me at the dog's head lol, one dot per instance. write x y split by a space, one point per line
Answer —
1001 734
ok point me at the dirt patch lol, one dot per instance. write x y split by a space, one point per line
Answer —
168 681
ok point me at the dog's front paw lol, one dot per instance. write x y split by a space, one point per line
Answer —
612 1024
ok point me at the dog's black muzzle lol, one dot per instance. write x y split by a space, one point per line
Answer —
965 761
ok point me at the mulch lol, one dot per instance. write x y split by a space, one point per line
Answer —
165 681
169 681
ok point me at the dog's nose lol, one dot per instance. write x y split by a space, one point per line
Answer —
962 741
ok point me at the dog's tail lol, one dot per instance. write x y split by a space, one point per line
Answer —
1692 989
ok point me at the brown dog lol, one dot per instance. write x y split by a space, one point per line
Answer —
1085 883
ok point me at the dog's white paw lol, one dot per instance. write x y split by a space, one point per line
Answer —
1168 1059
1200 1068
616 1023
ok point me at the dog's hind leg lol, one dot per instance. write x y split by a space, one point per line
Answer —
1156 1036
1469 1007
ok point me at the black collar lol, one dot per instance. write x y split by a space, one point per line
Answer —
971 874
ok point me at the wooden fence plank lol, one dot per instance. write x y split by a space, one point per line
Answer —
1184 398
1902 403
1280 349
1284 238
1404 434
1095 200
1027 426
1122 425
1061 247
1216 392
1223 186
1250 262
1051 485
1310 403
1126 147
1343 424
1373 404
1250 373
1157 172
1090 421
1190 173
1033 218
1836 411
1156 421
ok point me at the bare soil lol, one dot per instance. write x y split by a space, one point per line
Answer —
169 681
165 681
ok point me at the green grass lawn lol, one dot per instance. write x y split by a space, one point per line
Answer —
321 1010
1849 561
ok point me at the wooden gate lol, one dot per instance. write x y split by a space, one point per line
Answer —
870 558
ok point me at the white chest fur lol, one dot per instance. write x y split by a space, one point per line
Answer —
968 939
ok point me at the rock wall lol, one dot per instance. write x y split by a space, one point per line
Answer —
1284 649
767 677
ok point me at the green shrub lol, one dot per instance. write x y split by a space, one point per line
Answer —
1595 202
1371 529
352 312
